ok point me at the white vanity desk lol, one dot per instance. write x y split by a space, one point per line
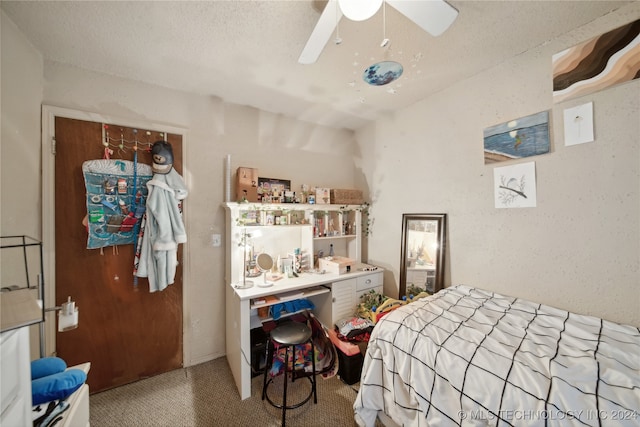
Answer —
311 229
334 296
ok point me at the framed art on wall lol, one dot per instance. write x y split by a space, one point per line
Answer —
598 63
515 186
518 138
272 190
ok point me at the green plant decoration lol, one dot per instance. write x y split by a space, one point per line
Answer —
413 290
367 220
372 299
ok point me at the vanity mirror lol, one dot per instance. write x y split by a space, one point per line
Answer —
265 264
422 252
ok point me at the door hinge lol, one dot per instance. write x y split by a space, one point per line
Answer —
53 145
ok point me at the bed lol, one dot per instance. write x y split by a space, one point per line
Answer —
468 357
71 411
78 413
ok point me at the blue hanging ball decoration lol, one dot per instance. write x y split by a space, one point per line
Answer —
382 73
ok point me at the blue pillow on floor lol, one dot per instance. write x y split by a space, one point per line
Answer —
57 386
47 366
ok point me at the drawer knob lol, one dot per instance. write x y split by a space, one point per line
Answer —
368 281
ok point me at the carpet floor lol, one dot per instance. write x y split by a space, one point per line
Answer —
206 395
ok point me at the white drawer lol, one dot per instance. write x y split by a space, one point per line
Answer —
369 281
10 368
15 382
344 303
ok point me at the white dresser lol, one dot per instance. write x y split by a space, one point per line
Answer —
15 371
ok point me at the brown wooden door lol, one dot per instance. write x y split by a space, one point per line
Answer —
126 332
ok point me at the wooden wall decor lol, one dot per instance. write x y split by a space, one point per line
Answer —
597 64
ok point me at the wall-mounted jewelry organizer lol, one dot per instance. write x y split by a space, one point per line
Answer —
116 190
116 195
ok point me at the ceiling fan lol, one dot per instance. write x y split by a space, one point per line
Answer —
433 16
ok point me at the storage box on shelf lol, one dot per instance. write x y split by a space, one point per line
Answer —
247 184
336 264
348 197
323 196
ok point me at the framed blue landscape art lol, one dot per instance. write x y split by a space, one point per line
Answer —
516 139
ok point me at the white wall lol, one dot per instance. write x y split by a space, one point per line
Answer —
21 95
277 146
579 248
21 72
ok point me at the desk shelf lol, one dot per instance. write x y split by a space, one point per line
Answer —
290 296
344 236
257 321
278 229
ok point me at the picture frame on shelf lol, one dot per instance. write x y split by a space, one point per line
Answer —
272 190
323 196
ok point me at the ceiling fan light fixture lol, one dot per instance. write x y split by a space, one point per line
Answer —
359 10
382 73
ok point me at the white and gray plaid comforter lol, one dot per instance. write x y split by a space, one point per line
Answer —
468 357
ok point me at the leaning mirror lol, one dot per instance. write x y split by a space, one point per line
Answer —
422 253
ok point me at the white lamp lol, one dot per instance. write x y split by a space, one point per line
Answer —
244 242
359 10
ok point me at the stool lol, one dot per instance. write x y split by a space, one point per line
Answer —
289 335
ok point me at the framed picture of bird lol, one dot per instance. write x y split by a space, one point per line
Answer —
518 138
515 186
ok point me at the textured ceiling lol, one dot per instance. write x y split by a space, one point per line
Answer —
246 52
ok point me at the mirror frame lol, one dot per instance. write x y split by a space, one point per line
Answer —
441 223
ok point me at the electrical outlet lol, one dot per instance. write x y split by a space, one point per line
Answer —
216 240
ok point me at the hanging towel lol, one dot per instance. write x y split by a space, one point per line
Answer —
164 230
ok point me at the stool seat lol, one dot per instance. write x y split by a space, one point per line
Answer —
291 333
288 335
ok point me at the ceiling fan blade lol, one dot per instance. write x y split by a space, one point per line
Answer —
433 16
321 33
